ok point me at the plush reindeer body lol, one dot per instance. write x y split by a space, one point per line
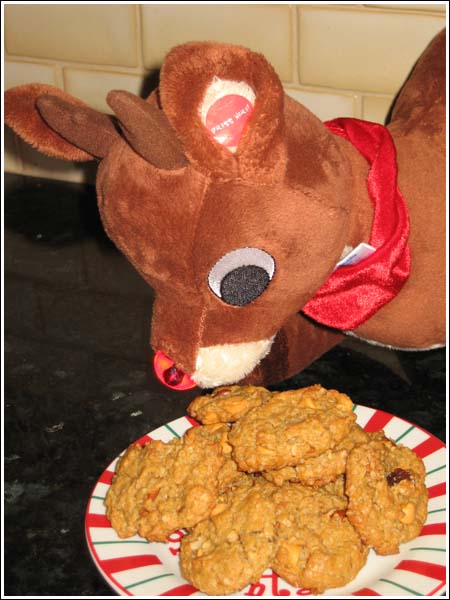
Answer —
415 318
235 244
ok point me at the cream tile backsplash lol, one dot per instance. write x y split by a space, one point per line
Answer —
265 28
17 73
365 50
93 85
375 108
338 60
325 104
95 33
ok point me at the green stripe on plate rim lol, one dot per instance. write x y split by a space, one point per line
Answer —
120 542
430 512
127 587
436 469
427 548
172 431
404 433
403 587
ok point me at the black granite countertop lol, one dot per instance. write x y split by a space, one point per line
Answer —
79 388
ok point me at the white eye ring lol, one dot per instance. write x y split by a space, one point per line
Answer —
241 257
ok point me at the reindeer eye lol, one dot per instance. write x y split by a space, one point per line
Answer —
241 275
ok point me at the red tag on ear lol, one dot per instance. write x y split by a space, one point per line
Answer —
227 117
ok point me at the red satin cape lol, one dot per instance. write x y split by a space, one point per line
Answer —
352 294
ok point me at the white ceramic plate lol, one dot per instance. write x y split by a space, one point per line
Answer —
135 567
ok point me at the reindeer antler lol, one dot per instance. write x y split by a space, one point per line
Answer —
81 125
148 130
57 123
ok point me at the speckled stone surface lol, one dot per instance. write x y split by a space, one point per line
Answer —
77 395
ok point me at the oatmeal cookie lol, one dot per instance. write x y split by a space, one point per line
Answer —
227 404
336 488
388 499
291 427
325 468
318 548
233 547
228 474
161 487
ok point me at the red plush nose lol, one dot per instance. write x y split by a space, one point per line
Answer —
169 374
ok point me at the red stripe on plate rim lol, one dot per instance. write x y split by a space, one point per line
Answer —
439 443
106 477
428 446
434 529
145 439
435 590
185 589
98 563
192 421
366 592
97 520
378 421
420 567
439 489
123 563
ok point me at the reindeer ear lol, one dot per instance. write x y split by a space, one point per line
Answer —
189 73
148 130
58 124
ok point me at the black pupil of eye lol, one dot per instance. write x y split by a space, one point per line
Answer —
243 284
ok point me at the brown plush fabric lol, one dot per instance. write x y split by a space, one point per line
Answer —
294 225
22 115
297 344
416 318
421 103
148 131
175 201
82 126
187 72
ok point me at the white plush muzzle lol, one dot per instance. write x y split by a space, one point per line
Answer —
228 363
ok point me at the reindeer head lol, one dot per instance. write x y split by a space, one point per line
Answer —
233 242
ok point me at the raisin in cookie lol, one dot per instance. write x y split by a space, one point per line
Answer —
291 427
388 499
160 487
318 548
233 547
227 404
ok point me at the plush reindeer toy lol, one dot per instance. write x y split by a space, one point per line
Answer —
265 233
